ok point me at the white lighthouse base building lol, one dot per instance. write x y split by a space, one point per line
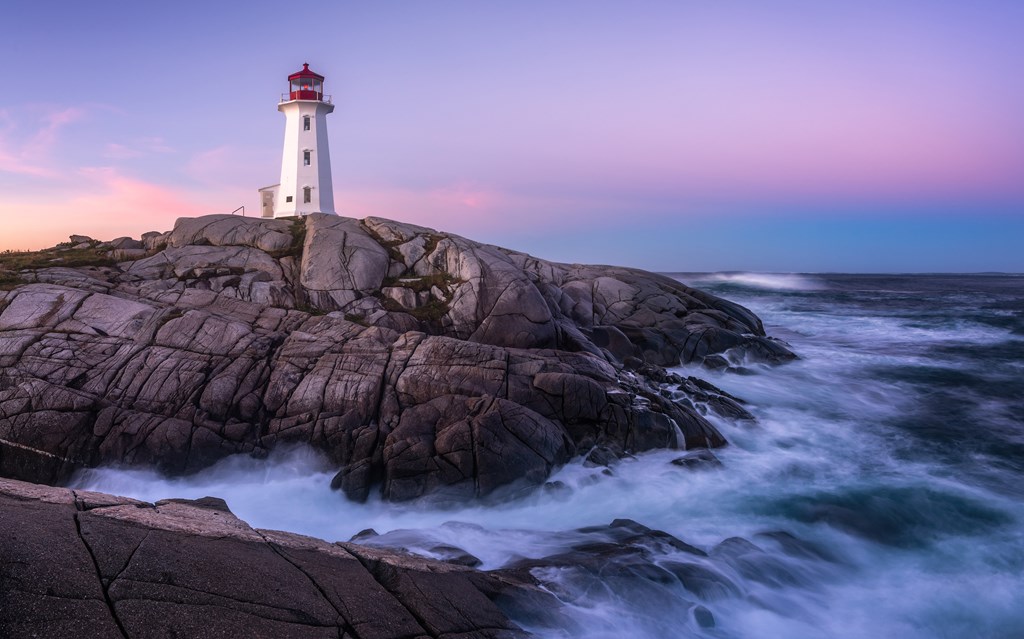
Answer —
306 184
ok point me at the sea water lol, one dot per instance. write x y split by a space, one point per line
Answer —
881 489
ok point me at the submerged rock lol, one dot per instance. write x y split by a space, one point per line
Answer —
697 460
703 617
418 361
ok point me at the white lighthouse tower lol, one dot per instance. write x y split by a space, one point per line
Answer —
306 185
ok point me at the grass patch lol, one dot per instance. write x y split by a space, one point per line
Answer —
10 280
392 249
210 272
49 258
12 263
298 229
389 245
431 312
173 314
433 240
423 284
356 319
311 310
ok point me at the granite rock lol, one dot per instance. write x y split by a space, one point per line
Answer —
418 361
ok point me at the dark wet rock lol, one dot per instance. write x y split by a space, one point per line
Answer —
703 617
367 533
697 460
632 533
615 342
704 582
420 362
188 568
470 446
210 503
522 598
735 547
710 388
453 555
632 363
796 547
715 362
557 487
423 543
704 393
754 563
624 561
742 370
443 598
601 456
623 546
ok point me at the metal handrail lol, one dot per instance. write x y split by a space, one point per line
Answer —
287 97
241 208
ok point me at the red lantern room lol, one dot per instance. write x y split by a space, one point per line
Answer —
306 85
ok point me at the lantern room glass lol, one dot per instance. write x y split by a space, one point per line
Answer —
307 89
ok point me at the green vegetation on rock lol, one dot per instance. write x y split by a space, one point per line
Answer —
298 230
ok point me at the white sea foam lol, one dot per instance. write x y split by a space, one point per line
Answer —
777 281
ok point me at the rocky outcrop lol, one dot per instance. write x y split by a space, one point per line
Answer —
419 361
78 564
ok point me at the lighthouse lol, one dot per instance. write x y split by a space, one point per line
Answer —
305 185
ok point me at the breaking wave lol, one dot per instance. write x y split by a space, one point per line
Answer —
775 281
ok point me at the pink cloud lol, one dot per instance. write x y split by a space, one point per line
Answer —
466 196
104 204
116 151
32 156
136 148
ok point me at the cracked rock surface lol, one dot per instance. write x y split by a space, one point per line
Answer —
79 564
418 361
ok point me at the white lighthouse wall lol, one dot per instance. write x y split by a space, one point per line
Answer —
295 174
322 161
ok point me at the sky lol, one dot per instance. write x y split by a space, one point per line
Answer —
781 135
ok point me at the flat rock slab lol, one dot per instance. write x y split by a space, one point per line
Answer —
82 565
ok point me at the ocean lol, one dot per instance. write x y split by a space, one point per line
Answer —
880 492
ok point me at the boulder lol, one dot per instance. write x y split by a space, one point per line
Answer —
341 262
232 230
125 243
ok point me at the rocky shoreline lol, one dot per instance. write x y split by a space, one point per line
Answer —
420 362
83 564
79 564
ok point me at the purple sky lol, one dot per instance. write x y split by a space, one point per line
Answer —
782 135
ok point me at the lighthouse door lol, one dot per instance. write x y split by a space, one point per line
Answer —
268 204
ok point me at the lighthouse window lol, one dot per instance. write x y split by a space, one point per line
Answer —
288 199
305 157
305 123
307 194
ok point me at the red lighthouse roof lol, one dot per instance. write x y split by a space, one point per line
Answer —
305 73
306 85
